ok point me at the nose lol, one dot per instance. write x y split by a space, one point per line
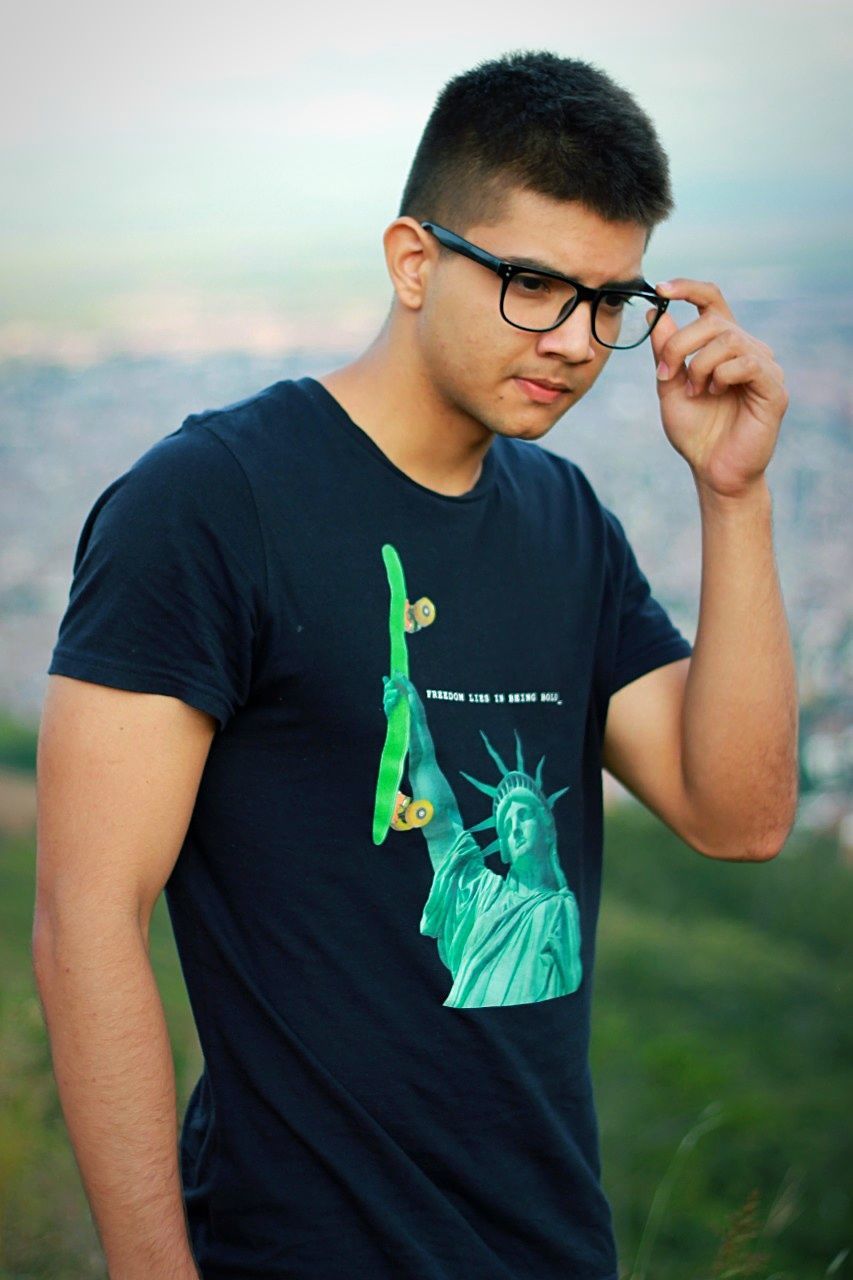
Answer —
572 340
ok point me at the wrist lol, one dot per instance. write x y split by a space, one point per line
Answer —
754 496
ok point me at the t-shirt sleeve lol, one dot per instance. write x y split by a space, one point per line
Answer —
169 578
645 637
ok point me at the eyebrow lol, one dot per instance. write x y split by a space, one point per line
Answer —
636 282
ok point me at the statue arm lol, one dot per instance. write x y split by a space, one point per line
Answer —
424 772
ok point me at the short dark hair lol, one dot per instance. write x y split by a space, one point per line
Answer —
557 126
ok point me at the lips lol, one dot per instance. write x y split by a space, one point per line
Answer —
545 382
541 391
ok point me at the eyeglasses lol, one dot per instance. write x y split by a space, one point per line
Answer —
531 299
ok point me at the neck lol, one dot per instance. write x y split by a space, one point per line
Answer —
388 393
531 873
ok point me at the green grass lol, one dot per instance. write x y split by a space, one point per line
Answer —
46 1231
17 744
725 990
722 1050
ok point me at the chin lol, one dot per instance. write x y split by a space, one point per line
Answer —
501 417
530 421
526 426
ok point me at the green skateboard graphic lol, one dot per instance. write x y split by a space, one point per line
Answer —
393 808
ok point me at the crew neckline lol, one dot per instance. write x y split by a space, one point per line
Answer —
338 414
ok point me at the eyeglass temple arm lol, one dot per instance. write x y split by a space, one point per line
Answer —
452 241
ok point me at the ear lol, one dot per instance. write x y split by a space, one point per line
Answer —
409 255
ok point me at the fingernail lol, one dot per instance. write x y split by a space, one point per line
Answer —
663 371
664 286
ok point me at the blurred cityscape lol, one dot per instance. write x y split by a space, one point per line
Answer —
75 415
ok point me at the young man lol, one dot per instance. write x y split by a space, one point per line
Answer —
379 566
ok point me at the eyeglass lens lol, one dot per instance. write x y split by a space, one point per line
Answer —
534 301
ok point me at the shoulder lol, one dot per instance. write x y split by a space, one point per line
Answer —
188 489
533 462
242 428
268 435
185 478
543 472
212 456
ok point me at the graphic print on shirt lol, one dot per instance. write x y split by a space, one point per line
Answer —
506 939
392 808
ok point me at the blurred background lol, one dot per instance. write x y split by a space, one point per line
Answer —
193 202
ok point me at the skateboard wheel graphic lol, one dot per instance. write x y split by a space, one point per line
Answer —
419 813
391 807
409 813
420 614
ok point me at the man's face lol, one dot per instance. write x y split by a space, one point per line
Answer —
478 362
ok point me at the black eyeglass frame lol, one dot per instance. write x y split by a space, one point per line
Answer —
507 270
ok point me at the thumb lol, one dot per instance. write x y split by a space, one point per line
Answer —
660 335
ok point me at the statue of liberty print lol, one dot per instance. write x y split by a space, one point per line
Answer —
512 939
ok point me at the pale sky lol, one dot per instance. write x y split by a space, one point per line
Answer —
243 147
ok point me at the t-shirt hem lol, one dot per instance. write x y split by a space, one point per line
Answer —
118 675
216 1273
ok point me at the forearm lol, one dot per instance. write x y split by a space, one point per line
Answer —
425 775
113 1065
740 715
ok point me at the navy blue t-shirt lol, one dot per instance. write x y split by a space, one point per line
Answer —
395 1028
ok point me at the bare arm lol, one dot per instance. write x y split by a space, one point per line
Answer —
724 724
740 700
709 743
117 777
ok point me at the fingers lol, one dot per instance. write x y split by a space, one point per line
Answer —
663 330
702 293
670 345
712 338
729 357
751 368
395 686
723 353
674 345
726 346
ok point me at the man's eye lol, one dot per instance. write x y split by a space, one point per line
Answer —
614 301
531 284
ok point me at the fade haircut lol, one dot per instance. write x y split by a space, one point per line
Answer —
531 119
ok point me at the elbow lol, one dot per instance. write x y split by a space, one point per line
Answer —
774 842
745 841
744 851
766 852
744 846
